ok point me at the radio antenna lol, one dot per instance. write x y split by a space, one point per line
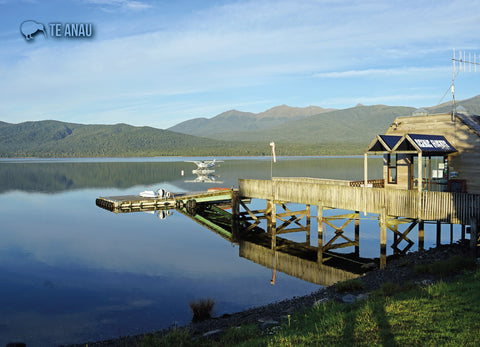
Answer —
461 61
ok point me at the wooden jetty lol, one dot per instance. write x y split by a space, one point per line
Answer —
393 207
129 203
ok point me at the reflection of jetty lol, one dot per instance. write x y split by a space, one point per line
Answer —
299 260
268 249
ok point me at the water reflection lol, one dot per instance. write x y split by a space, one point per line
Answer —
205 178
57 176
264 247
71 272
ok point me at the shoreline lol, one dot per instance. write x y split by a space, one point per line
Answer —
399 270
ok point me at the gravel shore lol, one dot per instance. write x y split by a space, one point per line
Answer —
399 270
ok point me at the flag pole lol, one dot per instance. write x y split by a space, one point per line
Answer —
273 160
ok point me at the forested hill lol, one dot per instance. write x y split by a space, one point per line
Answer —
296 131
58 139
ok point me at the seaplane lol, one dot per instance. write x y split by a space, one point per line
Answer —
203 166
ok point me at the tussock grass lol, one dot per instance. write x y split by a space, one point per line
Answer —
202 309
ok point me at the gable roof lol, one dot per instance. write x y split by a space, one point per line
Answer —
383 143
411 143
427 144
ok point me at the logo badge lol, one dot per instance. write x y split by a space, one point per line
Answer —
30 28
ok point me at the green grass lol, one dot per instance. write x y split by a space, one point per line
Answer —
445 313
440 314
446 267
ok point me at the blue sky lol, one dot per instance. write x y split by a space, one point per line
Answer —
157 63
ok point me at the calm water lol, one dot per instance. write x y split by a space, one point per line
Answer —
71 272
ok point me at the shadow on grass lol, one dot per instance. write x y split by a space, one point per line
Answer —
368 318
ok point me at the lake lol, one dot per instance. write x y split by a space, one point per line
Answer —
71 272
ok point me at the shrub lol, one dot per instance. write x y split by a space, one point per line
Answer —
201 309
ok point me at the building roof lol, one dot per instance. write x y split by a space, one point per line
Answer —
472 121
411 143
383 143
427 144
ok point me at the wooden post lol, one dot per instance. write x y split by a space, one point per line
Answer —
365 181
395 236
420 177
365 169
308 224
419 184
421 234
463 232
320 233
357 233
473 232
235 204
439 233
383 237
272 222
451 233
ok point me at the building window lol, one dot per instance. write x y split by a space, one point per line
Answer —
392 168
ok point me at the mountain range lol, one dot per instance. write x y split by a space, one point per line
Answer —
309 130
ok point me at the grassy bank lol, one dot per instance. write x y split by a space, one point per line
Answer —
443 313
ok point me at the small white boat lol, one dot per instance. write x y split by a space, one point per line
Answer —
159 194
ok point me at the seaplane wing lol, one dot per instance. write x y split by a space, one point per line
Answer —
204 164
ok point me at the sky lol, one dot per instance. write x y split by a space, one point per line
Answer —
158 63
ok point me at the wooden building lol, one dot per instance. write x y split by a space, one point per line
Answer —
438 152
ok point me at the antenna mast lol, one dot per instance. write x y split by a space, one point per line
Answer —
462 61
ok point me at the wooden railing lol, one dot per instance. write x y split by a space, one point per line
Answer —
454 208
378 183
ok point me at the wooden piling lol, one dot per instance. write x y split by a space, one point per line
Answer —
383 237
474 232
421 234
308 214
357 233
439 233
320 232
235 204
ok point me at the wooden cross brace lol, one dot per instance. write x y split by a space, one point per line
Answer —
339 232
392 224
295 217
252 215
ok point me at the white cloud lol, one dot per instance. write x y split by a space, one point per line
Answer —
400 71
122 4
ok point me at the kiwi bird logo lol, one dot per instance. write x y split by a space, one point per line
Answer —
29 28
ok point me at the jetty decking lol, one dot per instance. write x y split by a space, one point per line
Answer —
127 203
455 208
